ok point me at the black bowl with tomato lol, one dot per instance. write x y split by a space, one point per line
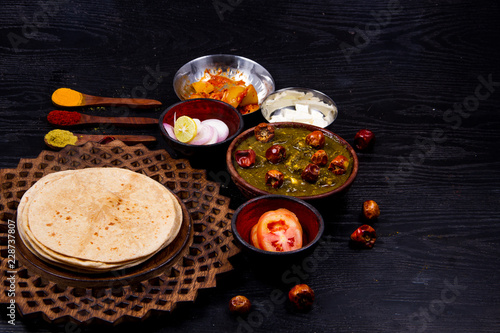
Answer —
277 236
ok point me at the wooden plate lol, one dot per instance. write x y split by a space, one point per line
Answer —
199 253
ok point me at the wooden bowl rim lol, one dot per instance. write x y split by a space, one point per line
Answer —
240 181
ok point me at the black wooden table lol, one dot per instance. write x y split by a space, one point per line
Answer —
424 76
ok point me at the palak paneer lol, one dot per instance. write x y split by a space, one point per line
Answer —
298 157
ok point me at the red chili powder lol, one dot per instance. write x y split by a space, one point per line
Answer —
63 117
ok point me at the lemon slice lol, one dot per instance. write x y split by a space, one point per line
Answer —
185 129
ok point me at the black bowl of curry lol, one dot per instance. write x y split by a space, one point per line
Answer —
299 160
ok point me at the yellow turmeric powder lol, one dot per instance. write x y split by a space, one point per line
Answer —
60 138
67 97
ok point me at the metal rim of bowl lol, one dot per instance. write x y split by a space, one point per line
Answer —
300 89
228 56
284 197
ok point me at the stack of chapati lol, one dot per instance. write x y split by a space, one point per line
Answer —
97 219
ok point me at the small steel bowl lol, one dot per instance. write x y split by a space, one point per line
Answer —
248 214
283 105
232 66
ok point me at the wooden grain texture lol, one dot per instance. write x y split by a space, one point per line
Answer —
439 194
89 100
86 119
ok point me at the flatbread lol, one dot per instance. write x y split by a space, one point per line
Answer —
98 219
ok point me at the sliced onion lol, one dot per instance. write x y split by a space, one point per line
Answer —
210 131
197 121
214 138
220 127
204 135
170 130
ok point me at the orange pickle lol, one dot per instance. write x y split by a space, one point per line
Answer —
221 87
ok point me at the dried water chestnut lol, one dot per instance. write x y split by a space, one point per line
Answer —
310 173
276 154
364 236
320 158
274 178
239 304
339 165
245 158
316 139
364 139
301 296
264 132
370 209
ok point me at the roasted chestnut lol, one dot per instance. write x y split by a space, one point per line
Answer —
320 158
245 158
264 132
310 173
316 139
370 209
274 178
276 154
240 304
364 236
301 296
364 139
339 165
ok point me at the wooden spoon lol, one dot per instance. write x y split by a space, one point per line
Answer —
66 97
95 120
127 139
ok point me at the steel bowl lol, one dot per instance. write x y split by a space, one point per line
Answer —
232 66
284 105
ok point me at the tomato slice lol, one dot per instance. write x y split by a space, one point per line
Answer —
279 231
253 236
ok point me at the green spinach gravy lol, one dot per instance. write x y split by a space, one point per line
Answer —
298 156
